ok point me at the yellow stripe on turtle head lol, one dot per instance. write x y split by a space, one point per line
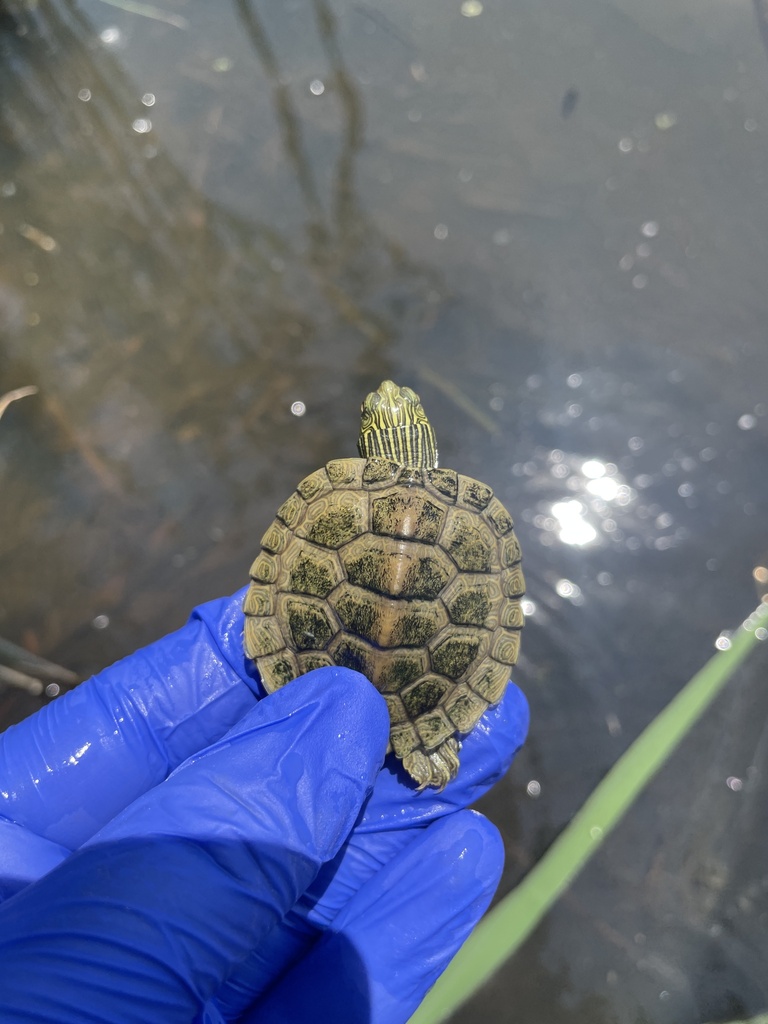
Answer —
393 425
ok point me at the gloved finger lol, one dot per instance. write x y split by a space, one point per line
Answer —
145 921
397 935
391 817
25 857
70 768
385 825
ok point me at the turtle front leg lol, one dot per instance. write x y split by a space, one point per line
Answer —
435 767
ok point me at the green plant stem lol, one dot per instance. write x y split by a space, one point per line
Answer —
507 926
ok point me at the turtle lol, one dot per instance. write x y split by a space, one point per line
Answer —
401 570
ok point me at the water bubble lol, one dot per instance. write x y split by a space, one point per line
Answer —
52 690
148 99
533 789
111 36
723 642
734 783
441 232
84 95
626 262
650 228
100 622
574 380
566 588
639 281
142 125
665 120
626 145
747 421
471 8
613 724
750 124
298 408
316 87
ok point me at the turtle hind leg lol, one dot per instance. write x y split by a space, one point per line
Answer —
436 767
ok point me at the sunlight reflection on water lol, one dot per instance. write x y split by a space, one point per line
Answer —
597 504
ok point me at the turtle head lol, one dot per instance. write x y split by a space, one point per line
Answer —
393 425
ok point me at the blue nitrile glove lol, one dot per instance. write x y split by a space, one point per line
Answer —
176 847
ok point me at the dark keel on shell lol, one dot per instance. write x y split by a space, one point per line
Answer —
408 574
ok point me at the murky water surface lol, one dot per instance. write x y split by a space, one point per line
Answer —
221 225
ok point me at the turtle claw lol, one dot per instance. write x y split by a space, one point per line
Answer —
436 768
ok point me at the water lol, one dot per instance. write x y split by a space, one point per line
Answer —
220 230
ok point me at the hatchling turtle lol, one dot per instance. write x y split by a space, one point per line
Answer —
405 572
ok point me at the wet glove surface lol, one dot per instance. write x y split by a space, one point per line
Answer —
172 848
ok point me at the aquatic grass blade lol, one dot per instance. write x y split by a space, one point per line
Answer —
500 934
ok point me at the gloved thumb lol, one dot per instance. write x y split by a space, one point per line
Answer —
146 921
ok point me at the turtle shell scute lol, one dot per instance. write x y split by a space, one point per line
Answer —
391 569
336 519
407 514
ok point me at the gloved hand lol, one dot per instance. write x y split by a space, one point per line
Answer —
174 849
